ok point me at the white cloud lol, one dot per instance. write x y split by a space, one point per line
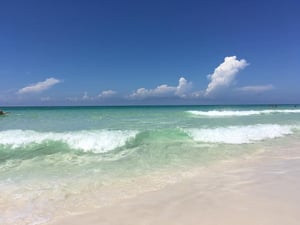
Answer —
107 94
164 90
39 87
183 87
256 88
85 96
224 74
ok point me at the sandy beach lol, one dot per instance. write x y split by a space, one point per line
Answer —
257 189
149 112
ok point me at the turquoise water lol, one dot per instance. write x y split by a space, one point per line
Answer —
54 157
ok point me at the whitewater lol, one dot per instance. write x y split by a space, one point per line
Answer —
57 160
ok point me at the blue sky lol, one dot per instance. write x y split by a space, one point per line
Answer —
149 52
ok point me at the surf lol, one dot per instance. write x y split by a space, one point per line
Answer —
240 134
231 113
96 141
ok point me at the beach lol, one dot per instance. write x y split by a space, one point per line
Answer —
261 189
149 112
150 165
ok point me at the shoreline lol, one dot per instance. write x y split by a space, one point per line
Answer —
259 189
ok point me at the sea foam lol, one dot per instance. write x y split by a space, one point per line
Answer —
98 141
239 134
228 113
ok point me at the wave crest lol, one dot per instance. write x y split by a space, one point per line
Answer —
225 113
239 134
97 141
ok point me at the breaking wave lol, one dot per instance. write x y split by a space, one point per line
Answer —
228 113
97 141
239 134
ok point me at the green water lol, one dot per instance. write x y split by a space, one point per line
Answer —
60 151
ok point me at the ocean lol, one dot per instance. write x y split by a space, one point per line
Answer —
68 160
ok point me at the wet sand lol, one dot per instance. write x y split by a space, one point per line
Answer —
261 189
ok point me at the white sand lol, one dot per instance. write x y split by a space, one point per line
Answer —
260 190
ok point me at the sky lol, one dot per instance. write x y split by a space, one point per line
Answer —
117 52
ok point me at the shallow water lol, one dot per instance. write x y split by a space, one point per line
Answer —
56 159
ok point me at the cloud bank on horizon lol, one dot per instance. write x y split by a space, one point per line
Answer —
220 81
223 77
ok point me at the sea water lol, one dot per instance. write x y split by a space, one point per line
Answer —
64 160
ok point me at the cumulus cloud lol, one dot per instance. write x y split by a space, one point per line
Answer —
107 94
164 90
224 74
85 96
256 88
39 87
